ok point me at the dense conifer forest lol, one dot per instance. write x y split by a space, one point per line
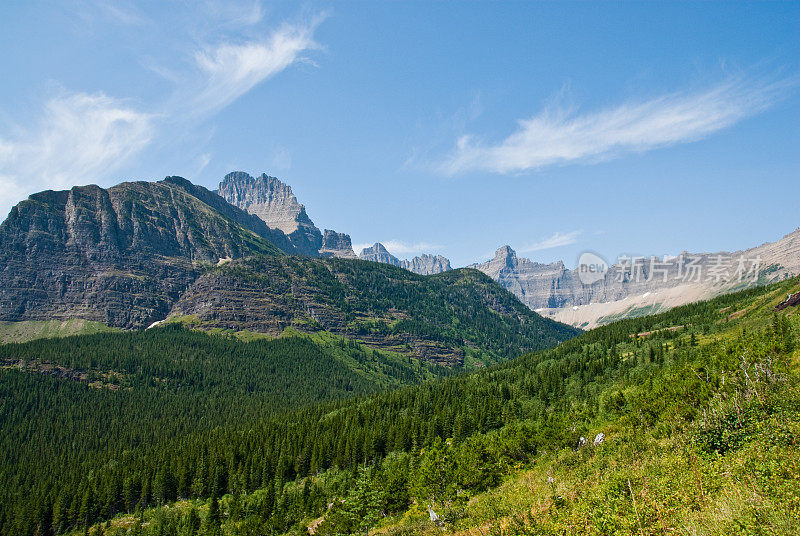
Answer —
683 421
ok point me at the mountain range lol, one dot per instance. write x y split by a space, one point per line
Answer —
125 256
140 253
242 372
640 285
647 286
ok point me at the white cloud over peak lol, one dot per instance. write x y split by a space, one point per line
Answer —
555 136
80 138
232 69
556 240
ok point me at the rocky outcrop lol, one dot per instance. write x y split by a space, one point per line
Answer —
378 253
426 264
792 301
122 255
336 245
640 285
273 202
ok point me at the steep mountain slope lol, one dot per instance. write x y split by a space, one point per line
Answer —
120 255
454 318
681 422
274 203
639 286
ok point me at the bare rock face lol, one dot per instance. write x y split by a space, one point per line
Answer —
426 264
273 201
336 245
535 284
378 253
645 286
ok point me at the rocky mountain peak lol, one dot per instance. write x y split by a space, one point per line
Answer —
272 200
427 264
378 253
424 264
336 245
506 256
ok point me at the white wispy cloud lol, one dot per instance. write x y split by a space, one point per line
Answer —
122 13
233 69
401 247
84 138
79 138
234 14
556 240
556 136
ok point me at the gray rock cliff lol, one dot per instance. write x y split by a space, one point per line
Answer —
641 285
378 253
273 201
424 264
336 245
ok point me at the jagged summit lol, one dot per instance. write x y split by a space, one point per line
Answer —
378 253
558 292
424 264
272 200
336 245
427 264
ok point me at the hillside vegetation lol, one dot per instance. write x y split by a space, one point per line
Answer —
698 408
460 317
76 406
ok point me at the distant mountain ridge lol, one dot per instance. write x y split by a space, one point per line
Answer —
424 264
557 292
124 255
449 318
272 200
132 255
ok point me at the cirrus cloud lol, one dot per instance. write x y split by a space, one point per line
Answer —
232 70
89 137
556 240
79 138
556 137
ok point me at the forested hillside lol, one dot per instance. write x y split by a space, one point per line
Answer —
698 408
460 317
70 406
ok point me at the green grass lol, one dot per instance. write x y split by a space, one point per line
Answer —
631 312
702 427
29 330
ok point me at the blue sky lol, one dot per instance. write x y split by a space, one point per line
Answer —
451 128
